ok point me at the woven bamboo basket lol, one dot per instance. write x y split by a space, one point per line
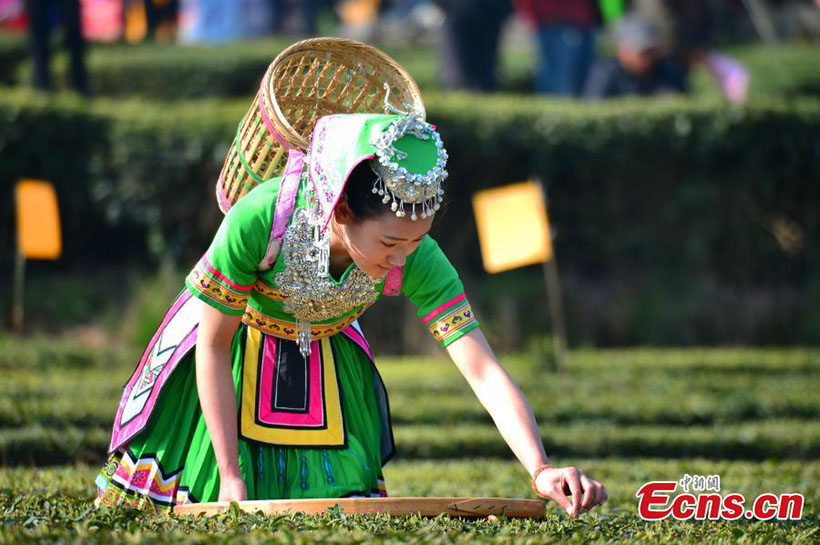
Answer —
306 81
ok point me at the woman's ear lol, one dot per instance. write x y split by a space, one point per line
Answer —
342 213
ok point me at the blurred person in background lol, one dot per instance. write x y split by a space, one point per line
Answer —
411 22
43 14
639 66
685 31
160 19
565 33
12 15
404 8
217 21
153 20
472 30
297 17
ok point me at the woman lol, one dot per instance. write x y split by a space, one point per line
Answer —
271 336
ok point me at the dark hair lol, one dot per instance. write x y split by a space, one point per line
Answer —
358 193
360 198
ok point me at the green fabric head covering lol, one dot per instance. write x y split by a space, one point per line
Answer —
409 159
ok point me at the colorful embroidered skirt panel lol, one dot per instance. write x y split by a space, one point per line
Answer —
327 410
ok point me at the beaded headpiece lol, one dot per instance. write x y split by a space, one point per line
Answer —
396 182
404 151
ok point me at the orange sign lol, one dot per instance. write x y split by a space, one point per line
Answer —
38 220
513 228
359 12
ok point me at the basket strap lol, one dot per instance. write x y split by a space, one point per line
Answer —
225 202
268 123
285 203
237 143
221 198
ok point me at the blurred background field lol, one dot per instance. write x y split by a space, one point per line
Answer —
696 222
686 234
173 73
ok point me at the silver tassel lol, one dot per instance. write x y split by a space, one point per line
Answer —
303 337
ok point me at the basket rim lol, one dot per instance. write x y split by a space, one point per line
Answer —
328 45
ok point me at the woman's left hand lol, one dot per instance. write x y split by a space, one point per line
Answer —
560 482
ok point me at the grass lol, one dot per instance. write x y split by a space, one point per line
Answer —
624 416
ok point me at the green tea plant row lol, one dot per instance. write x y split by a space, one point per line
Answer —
674 389
758 440
551 405
622 477
734 400
697 360
52 505
503 478
745 404
49 353
46 352
754 441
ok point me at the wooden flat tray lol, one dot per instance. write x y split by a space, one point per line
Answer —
426 507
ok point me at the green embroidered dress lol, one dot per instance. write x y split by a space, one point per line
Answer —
308 427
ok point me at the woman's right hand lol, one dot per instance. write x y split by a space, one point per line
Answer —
559 482
232 489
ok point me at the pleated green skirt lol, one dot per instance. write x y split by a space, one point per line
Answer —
172 460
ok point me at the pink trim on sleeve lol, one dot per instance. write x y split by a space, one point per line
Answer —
224 278
444 307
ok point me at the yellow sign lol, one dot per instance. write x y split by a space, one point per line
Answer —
38 220
513 228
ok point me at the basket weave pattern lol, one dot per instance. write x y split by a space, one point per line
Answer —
308 80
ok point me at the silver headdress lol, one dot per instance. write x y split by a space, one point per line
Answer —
395 183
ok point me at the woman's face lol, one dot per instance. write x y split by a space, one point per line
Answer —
378 244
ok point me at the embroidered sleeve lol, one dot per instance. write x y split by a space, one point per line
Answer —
433 286
225 275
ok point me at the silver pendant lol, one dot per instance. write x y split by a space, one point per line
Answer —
310 295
